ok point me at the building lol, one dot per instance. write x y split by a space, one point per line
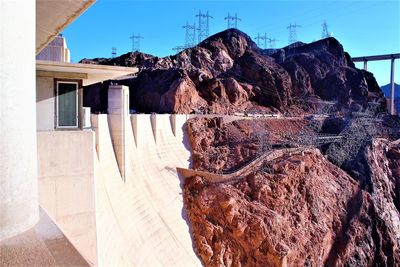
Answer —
59 92
56 50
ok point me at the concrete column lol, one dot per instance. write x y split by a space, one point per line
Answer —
365 65
19 209
118 120
392 108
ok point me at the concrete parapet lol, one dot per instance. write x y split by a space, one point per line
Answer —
66 173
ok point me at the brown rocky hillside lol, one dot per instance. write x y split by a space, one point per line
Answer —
228 73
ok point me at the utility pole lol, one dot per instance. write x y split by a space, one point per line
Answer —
232 21
136 42
261 38
325 32
190 35
204 25
272 42
113 52
292 32
179 48
190 38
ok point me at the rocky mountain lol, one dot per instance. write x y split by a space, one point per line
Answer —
135 59
297 209
228 73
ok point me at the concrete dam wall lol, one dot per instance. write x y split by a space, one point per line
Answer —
141 217
126 210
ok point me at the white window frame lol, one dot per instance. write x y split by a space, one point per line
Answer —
77 106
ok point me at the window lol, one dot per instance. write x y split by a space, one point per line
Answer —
67 104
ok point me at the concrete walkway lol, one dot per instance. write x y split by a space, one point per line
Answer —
43 245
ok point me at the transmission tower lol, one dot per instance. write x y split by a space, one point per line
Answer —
272 42
190 35
325 32
292 32
136 42
262 40
204 25
179 48
113 52
232 21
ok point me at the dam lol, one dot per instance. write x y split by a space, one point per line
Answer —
132 217
85 183
113 189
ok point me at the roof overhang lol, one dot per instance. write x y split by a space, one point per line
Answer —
88 73
54 16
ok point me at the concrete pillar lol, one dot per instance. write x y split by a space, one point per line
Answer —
392 107
19 209
118 120
365 65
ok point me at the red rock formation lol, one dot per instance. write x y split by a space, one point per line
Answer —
289 218
217 146
227 72
300 210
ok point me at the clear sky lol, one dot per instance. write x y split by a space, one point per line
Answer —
363 27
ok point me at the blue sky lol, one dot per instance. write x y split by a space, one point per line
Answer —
363 27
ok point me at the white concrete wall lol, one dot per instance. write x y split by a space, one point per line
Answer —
18 165
119 123
45 103
67 184
141 222
112 222
56 50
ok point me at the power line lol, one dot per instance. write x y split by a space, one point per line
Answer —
272 42
204 25
190 37
136 42
302 13
179 48
232 21
190 34
292 32
309 17
262 40
325 33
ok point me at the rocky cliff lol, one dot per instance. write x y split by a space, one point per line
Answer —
228 73
298 209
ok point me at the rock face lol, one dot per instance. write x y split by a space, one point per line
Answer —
222 147
300 211
135 59
228 73
289 218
